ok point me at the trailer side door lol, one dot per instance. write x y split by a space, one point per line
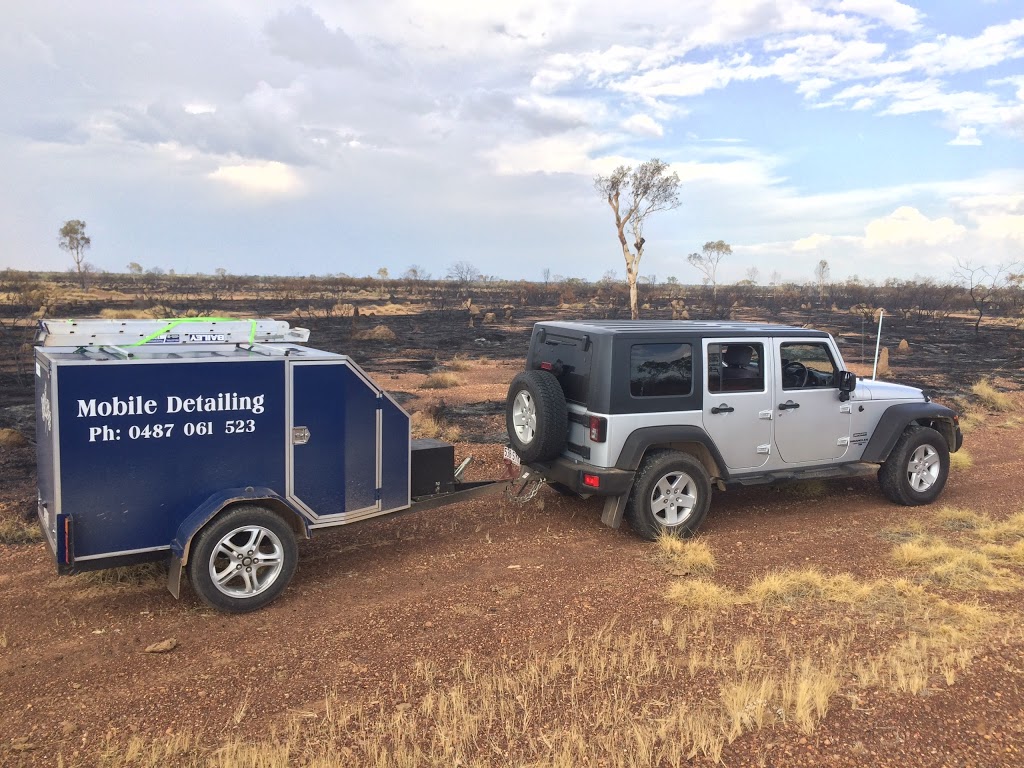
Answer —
335 440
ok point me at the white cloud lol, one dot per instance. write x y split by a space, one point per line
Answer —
897 15
269 179
643 125
1000 226
812 242
965 137
908 225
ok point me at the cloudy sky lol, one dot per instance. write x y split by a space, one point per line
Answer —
886 137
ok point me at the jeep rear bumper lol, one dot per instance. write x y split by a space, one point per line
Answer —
600 481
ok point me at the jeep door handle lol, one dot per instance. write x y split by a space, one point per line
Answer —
723 408
788 405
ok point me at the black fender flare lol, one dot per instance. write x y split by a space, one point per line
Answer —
895 419
642 439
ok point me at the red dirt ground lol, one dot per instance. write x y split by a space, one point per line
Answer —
488 578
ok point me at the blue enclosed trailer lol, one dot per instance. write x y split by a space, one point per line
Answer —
214 444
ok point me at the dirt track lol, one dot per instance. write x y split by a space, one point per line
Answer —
502 584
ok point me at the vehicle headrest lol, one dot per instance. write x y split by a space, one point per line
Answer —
738 355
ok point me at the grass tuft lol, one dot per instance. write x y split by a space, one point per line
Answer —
954 519
991 397
424 425
702 595
954 567
1004 531
18 531
379 333
124 576
12 438
686 557
962 459
441 381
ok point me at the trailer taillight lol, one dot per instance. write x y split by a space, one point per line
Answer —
546 366
598 429
591 481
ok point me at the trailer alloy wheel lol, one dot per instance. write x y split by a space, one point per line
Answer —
243 559
536 416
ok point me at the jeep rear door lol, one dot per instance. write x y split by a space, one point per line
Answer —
737 410
811 424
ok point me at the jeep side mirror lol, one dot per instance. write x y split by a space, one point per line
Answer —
847 383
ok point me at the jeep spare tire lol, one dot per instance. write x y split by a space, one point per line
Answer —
536 416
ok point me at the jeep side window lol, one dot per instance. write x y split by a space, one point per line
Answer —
660 370
807 366
735 367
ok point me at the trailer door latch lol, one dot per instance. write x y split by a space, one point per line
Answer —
300 435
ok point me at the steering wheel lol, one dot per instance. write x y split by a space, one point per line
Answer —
796 373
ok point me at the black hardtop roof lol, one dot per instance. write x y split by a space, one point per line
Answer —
714 328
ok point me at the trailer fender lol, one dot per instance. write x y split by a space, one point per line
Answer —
210 508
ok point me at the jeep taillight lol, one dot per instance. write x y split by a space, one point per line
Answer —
598 429
546 366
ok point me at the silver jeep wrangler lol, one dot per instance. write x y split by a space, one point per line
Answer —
650 414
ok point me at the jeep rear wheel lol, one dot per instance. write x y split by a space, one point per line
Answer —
917 468
671 495
536 416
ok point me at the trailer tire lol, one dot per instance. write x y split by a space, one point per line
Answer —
243 559
536 416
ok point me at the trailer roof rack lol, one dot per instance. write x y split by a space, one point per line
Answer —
183 330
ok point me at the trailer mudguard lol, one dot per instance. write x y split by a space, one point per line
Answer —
896 418
209 509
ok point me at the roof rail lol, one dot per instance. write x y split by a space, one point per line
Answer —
182 330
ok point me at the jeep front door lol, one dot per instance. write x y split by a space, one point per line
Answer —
738 400
811 423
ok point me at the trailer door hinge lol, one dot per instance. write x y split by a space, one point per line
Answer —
300 435
766 415
766 448
845 408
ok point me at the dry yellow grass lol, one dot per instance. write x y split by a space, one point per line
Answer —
441 381
14 530
955 519
954 567
1004 531
124 576
962 459
12 438
382 310
460 364
969 422
379 333
426 426
904 530
702 596
991 397
686 557
621 698
126 314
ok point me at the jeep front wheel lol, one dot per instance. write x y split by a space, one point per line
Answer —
536 416
671 495
915 472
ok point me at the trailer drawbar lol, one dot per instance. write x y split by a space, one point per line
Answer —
215 444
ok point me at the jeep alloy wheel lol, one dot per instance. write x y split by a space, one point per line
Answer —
671 495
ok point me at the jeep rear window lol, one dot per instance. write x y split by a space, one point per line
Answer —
574 356
660 370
